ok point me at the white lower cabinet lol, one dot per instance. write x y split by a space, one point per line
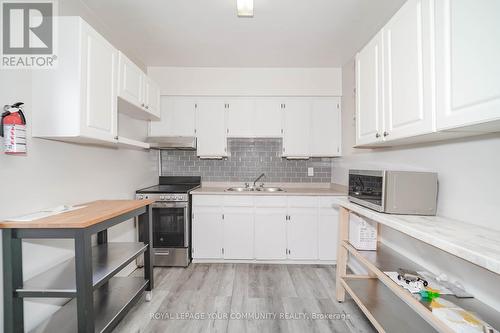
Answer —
302 232
207 232
270 233
269 228
238 226
327 229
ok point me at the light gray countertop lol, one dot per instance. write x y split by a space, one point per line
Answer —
308 189
476 244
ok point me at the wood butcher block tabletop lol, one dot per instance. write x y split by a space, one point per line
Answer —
95 212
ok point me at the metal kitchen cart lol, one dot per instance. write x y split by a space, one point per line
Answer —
99 299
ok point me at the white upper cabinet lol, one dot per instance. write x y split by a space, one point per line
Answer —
296 126
258 117
177 118
325 135
139 96
240 117
311 125
408 102
77 100
99 65
369 103
268 118
433 68
211 127
131 85
467 63
152 97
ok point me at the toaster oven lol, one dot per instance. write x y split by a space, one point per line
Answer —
394 192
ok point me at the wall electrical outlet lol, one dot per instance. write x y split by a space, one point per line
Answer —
310 171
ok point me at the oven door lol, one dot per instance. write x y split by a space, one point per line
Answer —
170 224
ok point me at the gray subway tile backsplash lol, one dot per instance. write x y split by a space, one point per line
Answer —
247 159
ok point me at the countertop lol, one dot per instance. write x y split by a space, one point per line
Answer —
93 213
308 189
476 244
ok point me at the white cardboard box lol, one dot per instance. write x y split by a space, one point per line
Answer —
362 233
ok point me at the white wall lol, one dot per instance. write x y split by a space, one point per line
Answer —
468 188
55 173
198 81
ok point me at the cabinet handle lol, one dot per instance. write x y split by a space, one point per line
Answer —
147 106
386 133
377 135
142 104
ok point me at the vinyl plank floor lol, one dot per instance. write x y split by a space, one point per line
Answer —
238 298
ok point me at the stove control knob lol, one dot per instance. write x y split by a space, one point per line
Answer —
162 197
139 197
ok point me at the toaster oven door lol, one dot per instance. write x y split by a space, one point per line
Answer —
367 188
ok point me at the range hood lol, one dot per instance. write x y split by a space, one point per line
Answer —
172 142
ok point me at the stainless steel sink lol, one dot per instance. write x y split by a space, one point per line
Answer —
270 189
240 189
252 189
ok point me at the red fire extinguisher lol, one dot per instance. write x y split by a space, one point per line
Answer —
13 129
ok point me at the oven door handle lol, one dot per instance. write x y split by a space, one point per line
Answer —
169 204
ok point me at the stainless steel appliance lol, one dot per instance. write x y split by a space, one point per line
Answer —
171 219
395 192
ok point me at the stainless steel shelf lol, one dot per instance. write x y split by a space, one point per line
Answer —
387 309
111 303
107 260
387 259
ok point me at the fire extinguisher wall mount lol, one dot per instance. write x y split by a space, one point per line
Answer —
13 129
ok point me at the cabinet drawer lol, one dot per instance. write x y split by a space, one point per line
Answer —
207 200
238 201
270 201
307 202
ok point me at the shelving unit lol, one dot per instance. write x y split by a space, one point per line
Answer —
99 299
388 306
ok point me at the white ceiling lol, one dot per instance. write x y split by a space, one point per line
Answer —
207 33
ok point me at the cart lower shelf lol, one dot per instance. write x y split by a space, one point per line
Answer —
111 302
383 308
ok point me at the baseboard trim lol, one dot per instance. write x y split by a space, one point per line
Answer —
253 261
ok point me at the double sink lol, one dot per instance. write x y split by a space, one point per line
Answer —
255 189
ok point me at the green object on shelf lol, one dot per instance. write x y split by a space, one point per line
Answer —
429 294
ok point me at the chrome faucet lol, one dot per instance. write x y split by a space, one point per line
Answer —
258 178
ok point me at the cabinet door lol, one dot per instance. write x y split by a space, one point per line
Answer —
325 127
328 233
211 128
467 62
99 75
207 232
408 82
297 123
152 94
131 82
270 233
238 233
268 118
369 111
240 118
302 233
177 117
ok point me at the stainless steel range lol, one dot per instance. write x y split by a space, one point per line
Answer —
171 219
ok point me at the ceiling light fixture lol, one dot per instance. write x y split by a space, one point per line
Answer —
245 8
